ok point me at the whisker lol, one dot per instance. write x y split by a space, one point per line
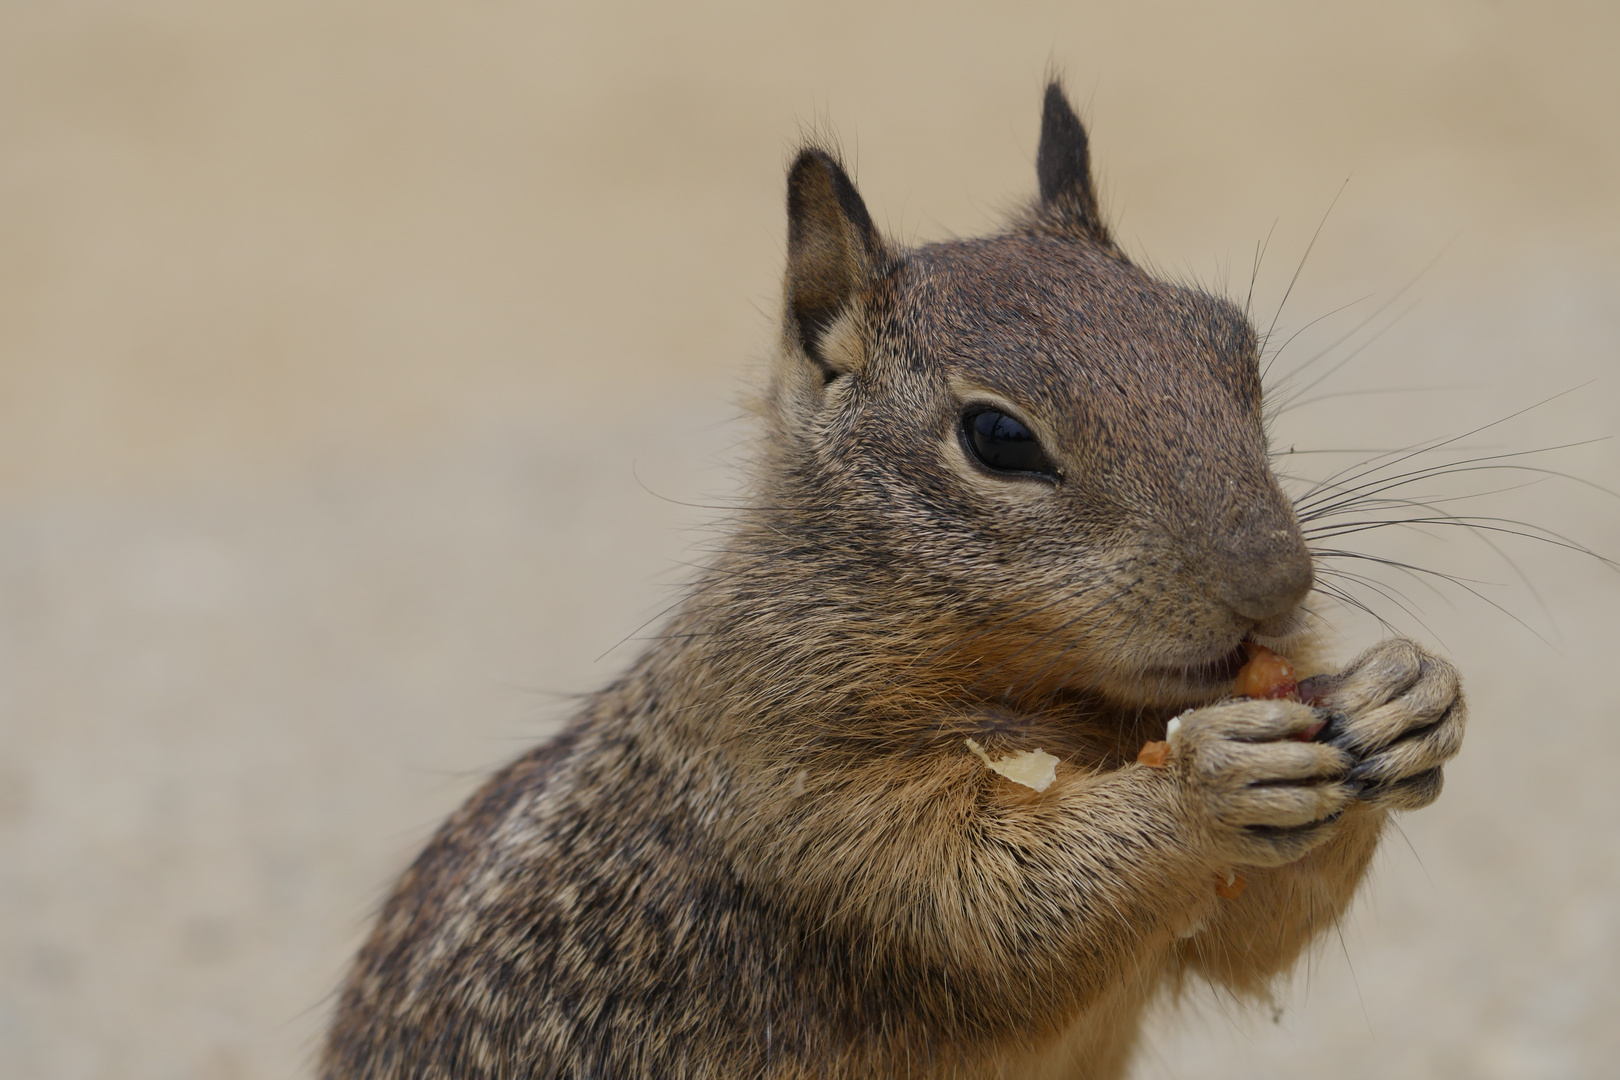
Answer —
1272 412
1338 394
1259 254
1284 346
1462 583
1308 504
1364 323
1429 446
1388 592
1393 502
1344 597
1301 267
1479 532
1291 452
1475 524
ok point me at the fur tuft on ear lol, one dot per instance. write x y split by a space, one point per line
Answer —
834 251
1063 167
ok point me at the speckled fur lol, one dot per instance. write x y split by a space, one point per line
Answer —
765 850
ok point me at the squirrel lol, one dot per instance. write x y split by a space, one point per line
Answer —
1011 489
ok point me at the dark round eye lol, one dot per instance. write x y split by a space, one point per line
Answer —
1001 443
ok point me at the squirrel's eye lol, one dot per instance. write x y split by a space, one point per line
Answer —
1001 443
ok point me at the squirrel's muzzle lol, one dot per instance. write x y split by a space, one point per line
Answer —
1263 568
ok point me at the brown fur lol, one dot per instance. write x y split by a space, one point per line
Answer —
766 852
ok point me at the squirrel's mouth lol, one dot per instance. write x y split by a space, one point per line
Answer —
1192 682
1223 669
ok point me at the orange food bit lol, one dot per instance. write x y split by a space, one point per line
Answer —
1266 675
1231 887
1154 754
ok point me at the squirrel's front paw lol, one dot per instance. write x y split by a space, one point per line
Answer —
1267 796
1399 709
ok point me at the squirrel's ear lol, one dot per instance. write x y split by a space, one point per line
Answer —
1063 166
834 251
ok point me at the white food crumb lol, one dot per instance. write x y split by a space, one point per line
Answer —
1171 729
1033 768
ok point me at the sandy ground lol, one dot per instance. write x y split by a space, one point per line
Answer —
357 362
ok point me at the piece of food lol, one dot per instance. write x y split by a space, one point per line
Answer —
1154 754
1033 768
1231 886
1266 675
1157 754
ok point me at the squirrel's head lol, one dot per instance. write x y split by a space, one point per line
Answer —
1024 457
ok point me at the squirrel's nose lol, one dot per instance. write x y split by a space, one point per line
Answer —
1267 571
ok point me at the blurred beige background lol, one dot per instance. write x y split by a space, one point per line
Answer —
356 360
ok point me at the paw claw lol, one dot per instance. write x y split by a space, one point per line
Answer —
1400 711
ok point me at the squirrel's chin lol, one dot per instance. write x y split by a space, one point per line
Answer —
1156 689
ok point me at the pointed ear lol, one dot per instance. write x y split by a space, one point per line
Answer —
834 251
1063 166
